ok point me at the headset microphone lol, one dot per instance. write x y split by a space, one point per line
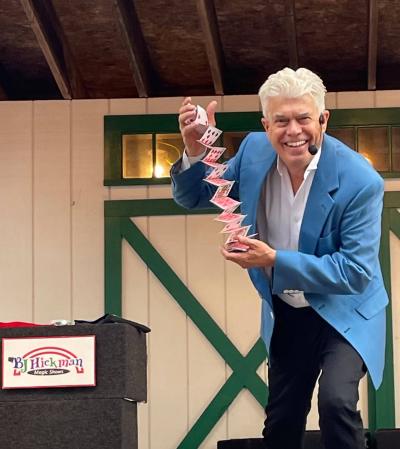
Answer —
313 149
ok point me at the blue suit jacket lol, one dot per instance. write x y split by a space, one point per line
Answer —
336 265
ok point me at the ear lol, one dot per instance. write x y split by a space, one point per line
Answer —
265 124
326 115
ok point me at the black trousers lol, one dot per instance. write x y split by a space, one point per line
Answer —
304 347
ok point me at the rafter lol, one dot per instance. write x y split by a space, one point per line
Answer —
209 26
138 54
4 84
372 44
3 95
292 34
45 24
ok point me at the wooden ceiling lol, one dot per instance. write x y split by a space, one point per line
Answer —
52 49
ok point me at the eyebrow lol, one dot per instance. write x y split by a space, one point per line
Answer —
300 116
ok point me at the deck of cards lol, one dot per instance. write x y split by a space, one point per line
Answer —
232 221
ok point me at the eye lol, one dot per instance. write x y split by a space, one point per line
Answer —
281 121
304 120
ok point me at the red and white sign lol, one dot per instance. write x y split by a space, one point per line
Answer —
49 362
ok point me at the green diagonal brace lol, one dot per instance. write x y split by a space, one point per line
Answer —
244 368
224 398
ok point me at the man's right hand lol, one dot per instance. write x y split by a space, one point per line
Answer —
192 132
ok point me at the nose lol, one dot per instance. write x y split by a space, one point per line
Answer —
293 128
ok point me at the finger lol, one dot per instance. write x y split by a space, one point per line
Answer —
211 108
252 243
233 256
184 116
186 108
187 100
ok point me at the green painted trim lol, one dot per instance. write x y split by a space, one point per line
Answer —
113 266
381 403
391 199
364 117
395 222
146 208
115 126
222 400
137 181
393 174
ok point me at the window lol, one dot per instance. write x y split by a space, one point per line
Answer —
140 149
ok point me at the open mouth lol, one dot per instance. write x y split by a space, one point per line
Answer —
297 144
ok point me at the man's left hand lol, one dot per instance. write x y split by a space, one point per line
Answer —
259 254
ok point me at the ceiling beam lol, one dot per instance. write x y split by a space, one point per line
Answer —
209 27
46 26
372 44
3 95
138 53
292 34
5 84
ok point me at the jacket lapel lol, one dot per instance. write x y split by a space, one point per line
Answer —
319 201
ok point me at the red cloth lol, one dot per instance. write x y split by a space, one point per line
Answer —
20 324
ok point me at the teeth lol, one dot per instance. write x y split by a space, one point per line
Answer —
296 144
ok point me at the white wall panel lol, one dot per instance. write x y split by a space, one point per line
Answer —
122 106
206 280
395 269
52 210
243 326
239 103
168 371
349 100
88 195
16 289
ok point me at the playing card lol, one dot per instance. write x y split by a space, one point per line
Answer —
217 181
236 247
226 202
218 171
210 136
213 155
233 236
227 216
234 224
200 117
223 190
211 164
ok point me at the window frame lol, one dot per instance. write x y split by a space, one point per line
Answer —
115 126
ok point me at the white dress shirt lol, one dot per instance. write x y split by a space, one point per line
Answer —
284 213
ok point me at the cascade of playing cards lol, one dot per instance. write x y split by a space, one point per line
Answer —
233 221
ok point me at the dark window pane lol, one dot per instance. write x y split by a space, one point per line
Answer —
345 135
396 148
169 148
137 156
232 141
373 143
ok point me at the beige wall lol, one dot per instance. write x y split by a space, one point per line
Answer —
52 256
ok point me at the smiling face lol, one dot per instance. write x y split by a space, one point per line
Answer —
292 126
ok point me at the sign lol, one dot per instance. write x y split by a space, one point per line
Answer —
49 362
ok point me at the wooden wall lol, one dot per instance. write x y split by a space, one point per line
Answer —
52 257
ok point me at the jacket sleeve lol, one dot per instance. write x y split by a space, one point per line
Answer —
191 191
347 270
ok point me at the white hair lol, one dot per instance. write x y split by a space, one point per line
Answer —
291 83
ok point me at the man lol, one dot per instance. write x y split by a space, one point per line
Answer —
316 206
